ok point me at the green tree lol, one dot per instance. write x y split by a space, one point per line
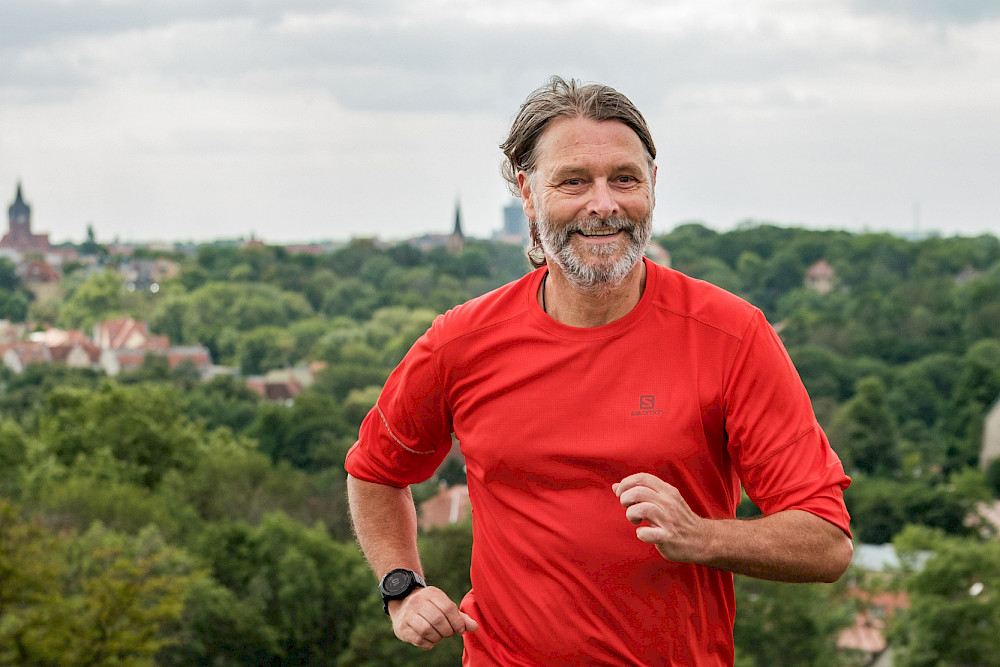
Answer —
864 431
263 349
313 590
788 624
222 401
99 297
954 607
127 593
311 434
142 425
219 628
31 568
976 390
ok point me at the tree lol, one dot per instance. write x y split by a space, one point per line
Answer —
311 434
142 426
864 431
97 298
128 593
313 591
263 349
976 390
31 569
954 602
787 624
219 628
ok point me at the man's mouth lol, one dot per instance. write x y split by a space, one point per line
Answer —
599 232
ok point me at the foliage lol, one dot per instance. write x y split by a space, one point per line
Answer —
100 598
787 624
309 589
142 426
954 602
864 432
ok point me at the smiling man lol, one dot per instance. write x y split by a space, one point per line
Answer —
609 410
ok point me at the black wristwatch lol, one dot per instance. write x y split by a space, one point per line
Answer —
397 584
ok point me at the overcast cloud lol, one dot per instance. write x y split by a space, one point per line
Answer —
299 119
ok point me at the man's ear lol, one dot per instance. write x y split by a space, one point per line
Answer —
652 189
527 202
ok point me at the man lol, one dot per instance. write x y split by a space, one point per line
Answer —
608 409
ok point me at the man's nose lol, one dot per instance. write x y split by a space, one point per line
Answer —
603 203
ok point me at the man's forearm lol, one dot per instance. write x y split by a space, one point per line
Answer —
385 523
792 546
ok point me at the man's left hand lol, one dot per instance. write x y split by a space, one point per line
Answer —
674 529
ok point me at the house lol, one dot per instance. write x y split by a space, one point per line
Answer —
876 605
124 343
820 277
867 635
18 355
450 505
658 254
71 348
144 273
125 333
38 271
282 389
283 385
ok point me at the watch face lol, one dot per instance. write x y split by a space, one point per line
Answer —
396 582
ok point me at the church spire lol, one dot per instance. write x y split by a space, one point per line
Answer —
19 211
458 220
457 241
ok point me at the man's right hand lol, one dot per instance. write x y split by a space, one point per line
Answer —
426 616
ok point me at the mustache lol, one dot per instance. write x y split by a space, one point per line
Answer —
592 224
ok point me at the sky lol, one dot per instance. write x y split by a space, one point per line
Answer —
306 120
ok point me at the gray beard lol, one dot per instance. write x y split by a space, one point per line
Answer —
595 276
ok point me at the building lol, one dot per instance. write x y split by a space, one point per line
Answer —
515 224
450 505
456 242
126 333
820 277
19 235
124 343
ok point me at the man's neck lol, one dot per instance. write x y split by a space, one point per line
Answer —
573 306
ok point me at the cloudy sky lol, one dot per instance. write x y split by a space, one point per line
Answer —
300 120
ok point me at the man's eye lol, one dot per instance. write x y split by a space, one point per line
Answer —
626 179
573 181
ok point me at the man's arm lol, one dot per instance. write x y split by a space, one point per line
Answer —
792 545
385 523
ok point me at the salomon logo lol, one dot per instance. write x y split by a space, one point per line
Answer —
647 407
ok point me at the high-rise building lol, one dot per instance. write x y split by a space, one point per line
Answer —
515 223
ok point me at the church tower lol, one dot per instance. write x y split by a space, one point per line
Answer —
19 236
456 242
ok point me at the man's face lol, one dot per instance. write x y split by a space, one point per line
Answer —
591 196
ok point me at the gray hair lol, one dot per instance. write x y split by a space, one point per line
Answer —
563 99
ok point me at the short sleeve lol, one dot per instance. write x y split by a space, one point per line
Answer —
407 434
781 454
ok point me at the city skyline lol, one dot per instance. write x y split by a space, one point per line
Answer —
154 121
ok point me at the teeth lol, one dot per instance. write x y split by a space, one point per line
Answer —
605 232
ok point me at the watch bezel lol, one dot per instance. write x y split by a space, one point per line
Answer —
412 582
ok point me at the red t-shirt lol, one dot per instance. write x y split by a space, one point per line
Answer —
692 385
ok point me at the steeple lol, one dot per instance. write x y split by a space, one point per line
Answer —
457 241
458 220
19 212
19 236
